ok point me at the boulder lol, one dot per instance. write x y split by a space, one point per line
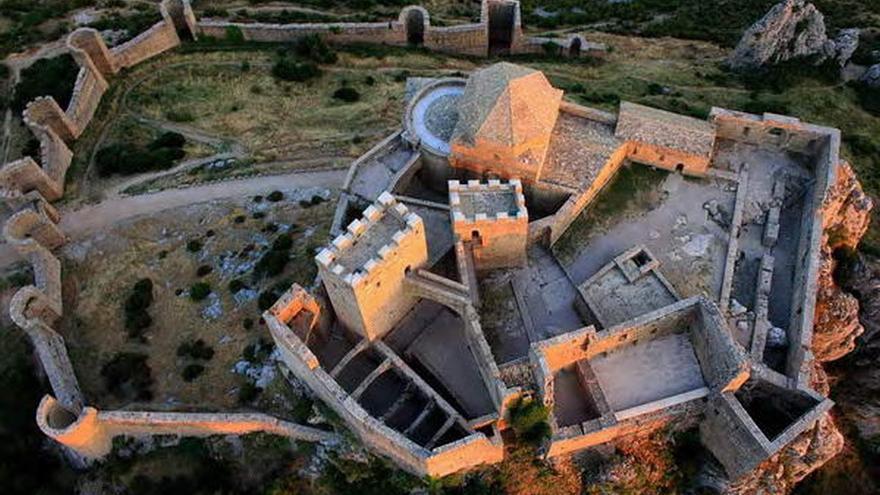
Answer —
792 29
871 77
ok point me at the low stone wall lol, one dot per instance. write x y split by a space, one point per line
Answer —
160 37
569 211
90 434
390 33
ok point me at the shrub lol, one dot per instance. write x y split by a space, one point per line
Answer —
194 246
127 158
312 47
192 371
196 349
236 285
199 291
258 199
168 140
248 392
128 374
53 77
247 323
180 115
239 219
528 418
234 34
266 299
135 308
272 263
275 196
282 243
347 94
288 69
203 270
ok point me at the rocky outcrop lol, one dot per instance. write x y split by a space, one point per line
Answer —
871 77
792 29
805 454
846 216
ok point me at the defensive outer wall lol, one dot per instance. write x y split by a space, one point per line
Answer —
28 187
413 27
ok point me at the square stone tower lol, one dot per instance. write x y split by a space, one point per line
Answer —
364 268
492 216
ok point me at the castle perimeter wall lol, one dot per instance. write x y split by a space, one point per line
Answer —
91 433
32 230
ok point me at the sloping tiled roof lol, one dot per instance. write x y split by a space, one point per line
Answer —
661 128
507 104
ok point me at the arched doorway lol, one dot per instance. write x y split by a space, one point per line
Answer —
574 48
415 27
502 15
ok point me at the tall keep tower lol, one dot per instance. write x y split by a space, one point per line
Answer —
364 268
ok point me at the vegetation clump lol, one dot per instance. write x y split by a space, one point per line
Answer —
127 375
195 349
347 94
528 417
192 371
53 77
136 317
128 158
199 291
290 69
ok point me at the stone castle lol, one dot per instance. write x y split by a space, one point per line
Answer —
494 170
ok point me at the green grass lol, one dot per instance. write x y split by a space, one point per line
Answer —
628 189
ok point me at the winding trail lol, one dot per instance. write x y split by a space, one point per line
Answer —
85 221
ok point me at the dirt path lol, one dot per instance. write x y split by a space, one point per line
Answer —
83 222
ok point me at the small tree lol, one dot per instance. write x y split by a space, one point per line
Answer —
528 418
347 94
199 291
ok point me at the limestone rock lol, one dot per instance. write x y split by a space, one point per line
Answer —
871 77
806 453
776 337
844 45
846 212
791 29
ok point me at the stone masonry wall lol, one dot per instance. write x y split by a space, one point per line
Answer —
467 452
32 230
160 37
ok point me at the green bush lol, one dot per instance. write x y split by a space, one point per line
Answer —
127 375
282 243
248 392
53 77
275 196
313 48
195 349
234 34
135 308
192 371
347 94
236 285
194 246
288 69
528 418
127 158
272 263
203 270
199 291
168 140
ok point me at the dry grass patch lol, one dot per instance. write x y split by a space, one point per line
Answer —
101 271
